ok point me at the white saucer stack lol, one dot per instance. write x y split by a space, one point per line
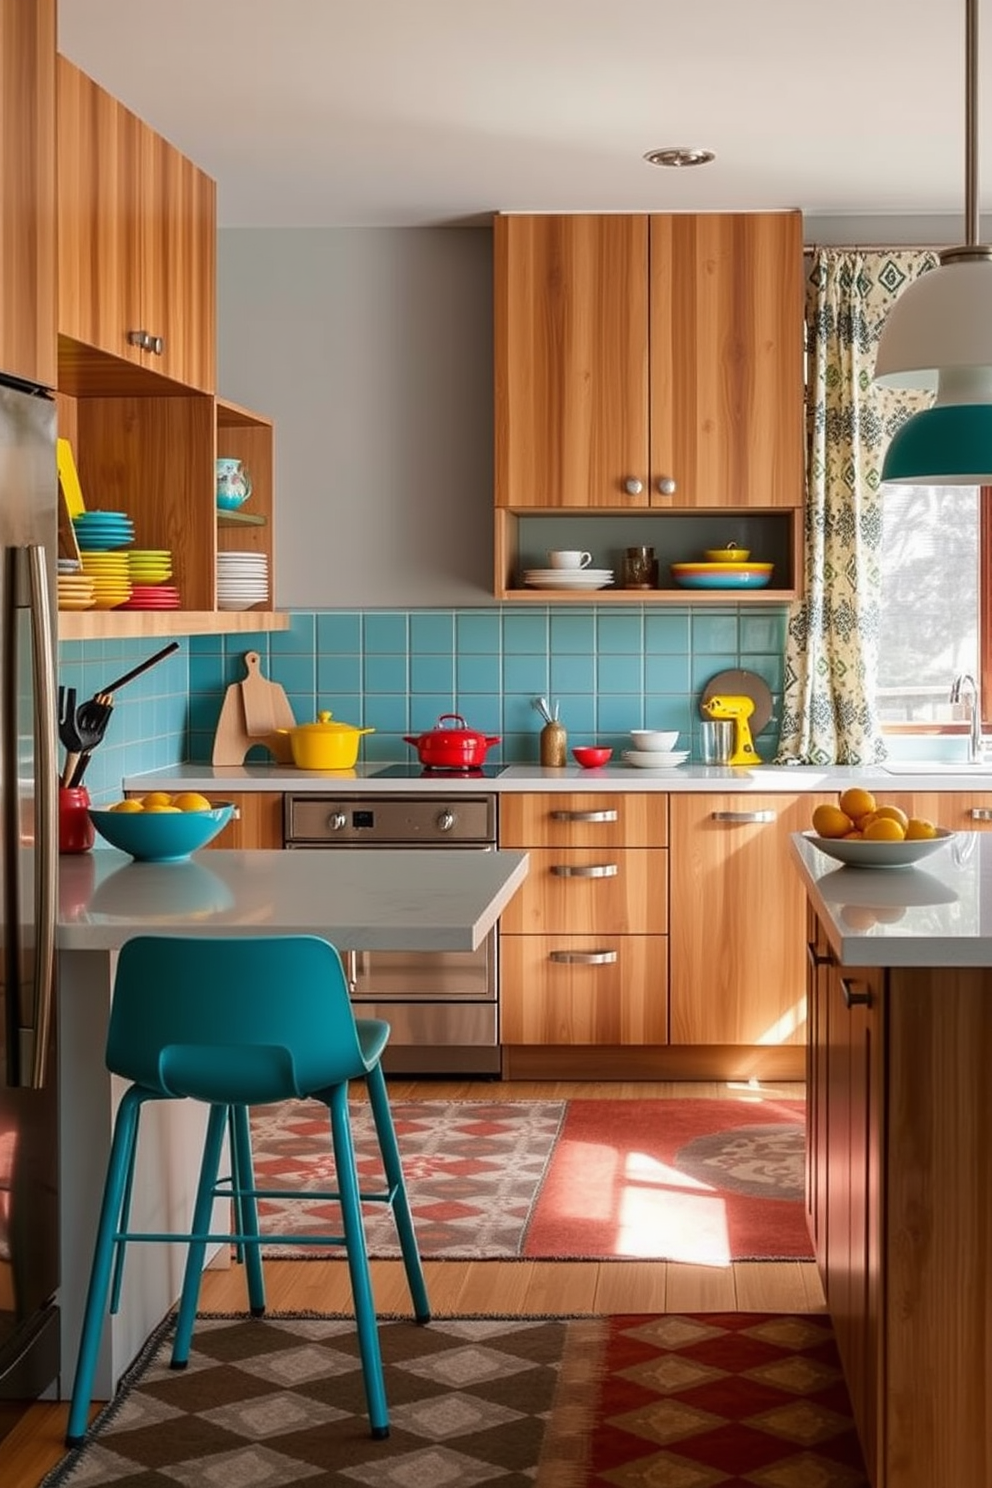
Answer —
653 750
568 578
242 580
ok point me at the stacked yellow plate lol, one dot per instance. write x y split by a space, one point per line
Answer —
76 592
149 565
111 576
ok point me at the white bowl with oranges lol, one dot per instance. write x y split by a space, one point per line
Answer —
863 832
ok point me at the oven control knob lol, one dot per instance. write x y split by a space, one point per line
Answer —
445 821
337 821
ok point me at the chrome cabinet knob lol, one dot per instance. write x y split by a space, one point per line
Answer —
667 486
633 486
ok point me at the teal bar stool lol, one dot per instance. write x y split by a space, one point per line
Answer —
236 1023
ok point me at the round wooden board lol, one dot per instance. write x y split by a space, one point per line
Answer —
739 683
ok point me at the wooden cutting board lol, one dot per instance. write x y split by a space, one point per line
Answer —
252 711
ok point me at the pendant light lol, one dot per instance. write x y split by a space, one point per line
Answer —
939 335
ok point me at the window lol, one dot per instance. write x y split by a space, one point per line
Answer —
931 615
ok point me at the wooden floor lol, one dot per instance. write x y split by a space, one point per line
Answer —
514 1287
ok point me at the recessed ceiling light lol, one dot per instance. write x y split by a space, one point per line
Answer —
679 155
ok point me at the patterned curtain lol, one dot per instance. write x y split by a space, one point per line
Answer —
831 658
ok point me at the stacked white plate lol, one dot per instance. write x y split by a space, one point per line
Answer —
568 578
655 759
242 580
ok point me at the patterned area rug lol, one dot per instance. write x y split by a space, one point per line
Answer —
705 1181
704 1401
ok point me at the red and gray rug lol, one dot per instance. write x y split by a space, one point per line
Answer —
703 1401
694 1180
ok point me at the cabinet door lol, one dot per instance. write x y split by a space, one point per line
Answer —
584 819
623 891
571 360
137 239
853 1142
817 1050
257 821
27 190
737 916
726 297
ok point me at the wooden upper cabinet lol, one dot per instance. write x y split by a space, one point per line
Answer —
727 359
137 239
27 190
649 362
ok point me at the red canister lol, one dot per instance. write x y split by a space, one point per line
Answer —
76 831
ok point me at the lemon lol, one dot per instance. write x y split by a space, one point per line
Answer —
162 810
127 807
156 798
895 812
830 821
919 829
856 802
192 801
884 829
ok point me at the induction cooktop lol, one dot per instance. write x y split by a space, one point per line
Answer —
413 770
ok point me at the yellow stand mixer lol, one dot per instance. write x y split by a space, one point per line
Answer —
739 709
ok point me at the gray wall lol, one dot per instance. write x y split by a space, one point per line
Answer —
371 349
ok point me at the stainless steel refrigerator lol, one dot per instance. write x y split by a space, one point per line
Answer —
29 1240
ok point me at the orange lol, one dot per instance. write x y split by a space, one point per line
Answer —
884 829
191 801
128 807
856 802
920 829
895 812
854 836
161 810
830 821
156 798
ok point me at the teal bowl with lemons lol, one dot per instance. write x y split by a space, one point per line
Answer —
161 836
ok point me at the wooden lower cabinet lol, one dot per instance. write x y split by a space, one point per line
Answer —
583 948
737 973
257 820
899 1173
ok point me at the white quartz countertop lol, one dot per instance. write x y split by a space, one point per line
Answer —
374 899
936 913
213 780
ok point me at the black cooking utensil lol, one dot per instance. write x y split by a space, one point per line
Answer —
92 718
141 667
80 730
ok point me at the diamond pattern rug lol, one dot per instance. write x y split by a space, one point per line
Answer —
653 1401
694 1180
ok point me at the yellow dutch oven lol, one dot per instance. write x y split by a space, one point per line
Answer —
324 745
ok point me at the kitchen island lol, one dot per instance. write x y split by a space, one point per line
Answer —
379 899
899 1161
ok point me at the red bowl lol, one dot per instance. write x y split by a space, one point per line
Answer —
591 755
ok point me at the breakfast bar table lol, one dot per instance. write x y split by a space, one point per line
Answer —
373 900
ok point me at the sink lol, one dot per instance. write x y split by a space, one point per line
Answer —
939 767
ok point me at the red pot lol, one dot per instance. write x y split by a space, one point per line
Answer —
452 748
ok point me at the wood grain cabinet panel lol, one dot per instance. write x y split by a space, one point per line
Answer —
737 916
257 822
137 240
583 949
649 361
28 190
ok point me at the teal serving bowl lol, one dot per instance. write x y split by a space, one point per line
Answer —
161 836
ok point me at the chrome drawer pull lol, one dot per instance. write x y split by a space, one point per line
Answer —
585 816
584 958
981 813
743 816
852 998
595 870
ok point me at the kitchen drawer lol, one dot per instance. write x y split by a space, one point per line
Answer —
585 819
600 889
618 996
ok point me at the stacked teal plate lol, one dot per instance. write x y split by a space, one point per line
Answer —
722 575
103 529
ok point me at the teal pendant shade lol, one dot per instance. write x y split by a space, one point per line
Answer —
943 446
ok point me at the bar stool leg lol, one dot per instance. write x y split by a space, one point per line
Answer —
388 1146
246 1207
358 1261
213 1143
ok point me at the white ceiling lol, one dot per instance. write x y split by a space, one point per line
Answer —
414 112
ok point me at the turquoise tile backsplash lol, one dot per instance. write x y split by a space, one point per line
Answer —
398 671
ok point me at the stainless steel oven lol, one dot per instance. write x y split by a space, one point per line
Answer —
442 1006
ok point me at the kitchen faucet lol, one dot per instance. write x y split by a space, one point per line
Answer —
966 680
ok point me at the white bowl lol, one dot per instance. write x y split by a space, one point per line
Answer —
655 739
857 853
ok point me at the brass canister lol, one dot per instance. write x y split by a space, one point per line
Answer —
554 746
